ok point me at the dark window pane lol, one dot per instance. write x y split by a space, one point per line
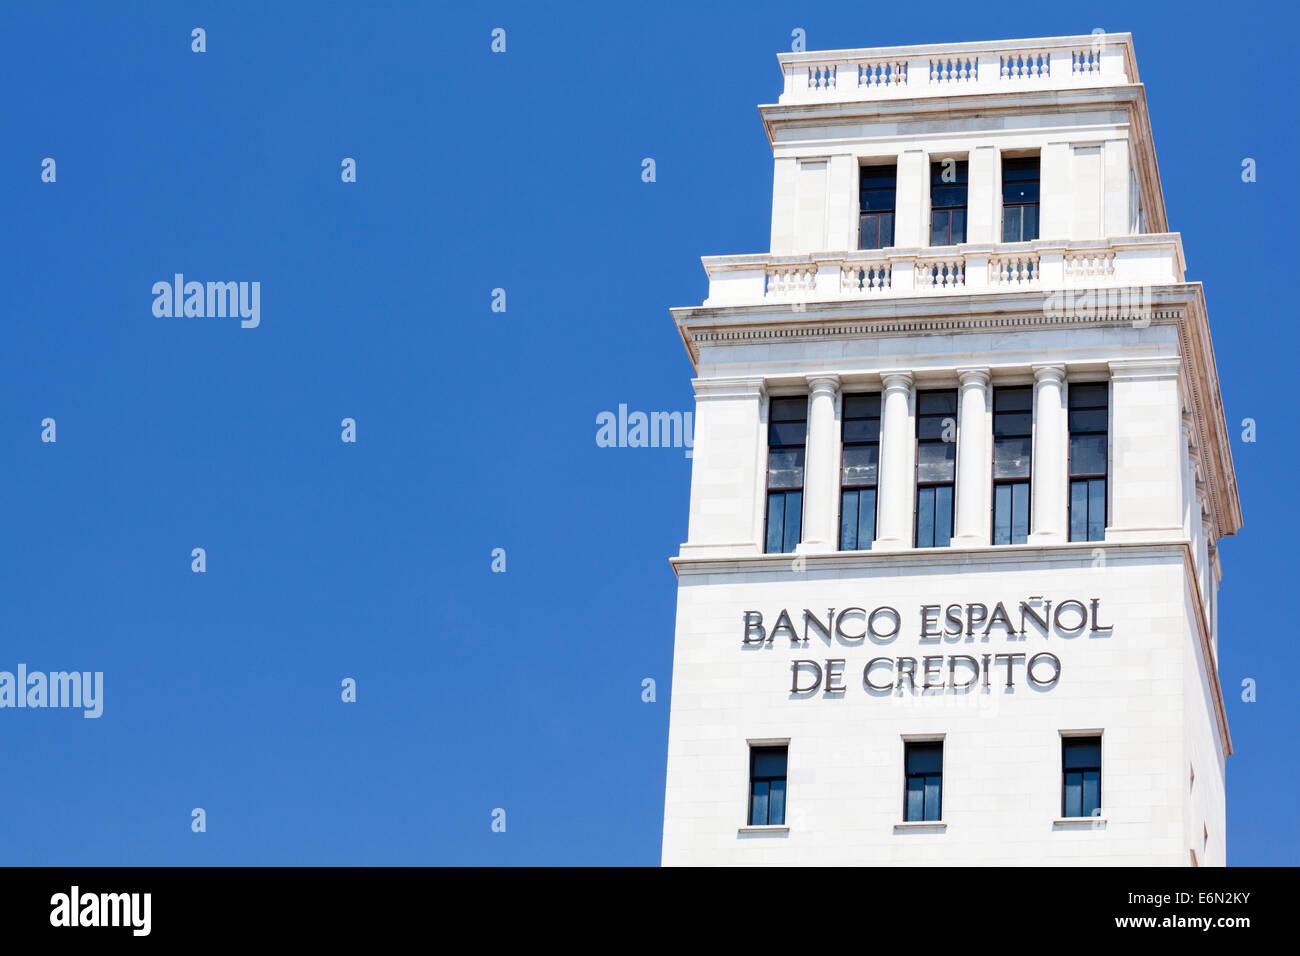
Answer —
789 410
942 427
776 803
942 516
925 757
861 406
849 521
1087 454
1081 752
758 803
770 761
866 519
775 522
935 403
1002 514
1091 792
793 519
939 229
958 226
925 517
785 468
886 230
936 461
1013 400
862 429
1011 457
1011 217
1097 509
1088 420
932 797
1020 513
860 464
1092 394
1013 423
1030 228
787 433
1074 795
1079 510
915 799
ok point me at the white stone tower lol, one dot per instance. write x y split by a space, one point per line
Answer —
960 471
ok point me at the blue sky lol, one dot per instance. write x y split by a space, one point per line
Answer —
475 429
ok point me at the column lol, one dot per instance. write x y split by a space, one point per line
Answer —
897 479
1048 478
973 460
821 460
728 470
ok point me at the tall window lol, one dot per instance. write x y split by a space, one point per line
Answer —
787 431
860 431
948 203
936 467
923 790
876 190
1013 422
1088 413
1081 767
1020 199
767 786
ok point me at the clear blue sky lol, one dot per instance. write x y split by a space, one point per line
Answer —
476 430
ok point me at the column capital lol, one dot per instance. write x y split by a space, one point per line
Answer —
1049 373
823 383
973 376
896 379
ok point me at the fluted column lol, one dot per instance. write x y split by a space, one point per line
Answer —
821 460
1049 477
973 461
897 479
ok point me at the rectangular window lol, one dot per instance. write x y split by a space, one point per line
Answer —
876 189
1020 199
1081 768
1013 427
860 432
936 467
1088 415
767 786
923 791
948 181
787 431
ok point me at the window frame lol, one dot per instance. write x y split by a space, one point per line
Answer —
1071 475
917 483
1066 740
874 487
963 180
755 748
1038 203
892 212
929 743
784 491
995 481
